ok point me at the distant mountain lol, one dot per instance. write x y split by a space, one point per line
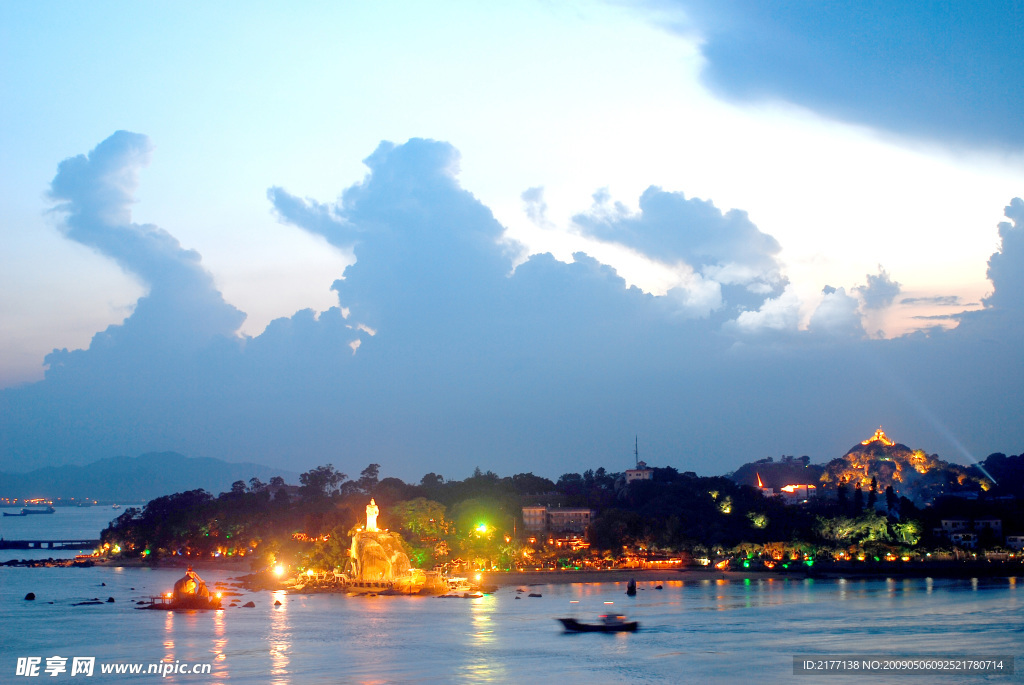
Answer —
132 479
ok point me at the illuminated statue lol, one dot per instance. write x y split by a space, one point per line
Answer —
371 516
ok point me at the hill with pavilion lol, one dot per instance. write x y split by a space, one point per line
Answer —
911 473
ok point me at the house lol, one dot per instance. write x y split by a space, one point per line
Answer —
965 540
573 520
965 532
535 518
641 472
1015 542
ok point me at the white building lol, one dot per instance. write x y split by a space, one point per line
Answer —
641 472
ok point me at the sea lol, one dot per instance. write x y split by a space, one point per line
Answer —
744 629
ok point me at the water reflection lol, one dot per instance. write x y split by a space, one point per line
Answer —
280 640
168 636
220 642
483 666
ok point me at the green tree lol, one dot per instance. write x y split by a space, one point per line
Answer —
321 482
421 516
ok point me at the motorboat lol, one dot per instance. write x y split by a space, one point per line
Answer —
607 623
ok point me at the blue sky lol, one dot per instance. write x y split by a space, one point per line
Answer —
736 231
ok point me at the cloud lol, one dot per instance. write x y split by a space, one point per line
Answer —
727 259
94 194
946 71
462 362
838 315
1006 267
880 291
936 301
780 314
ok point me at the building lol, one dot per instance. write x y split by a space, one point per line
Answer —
641 472
573 520
1015 542
535 519
965 540
965 532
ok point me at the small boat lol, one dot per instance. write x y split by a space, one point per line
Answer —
608 623
461 587
116 506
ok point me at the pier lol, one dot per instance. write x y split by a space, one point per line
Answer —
49 544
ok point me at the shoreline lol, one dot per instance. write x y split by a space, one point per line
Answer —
563 577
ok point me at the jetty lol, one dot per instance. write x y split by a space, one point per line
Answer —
49 544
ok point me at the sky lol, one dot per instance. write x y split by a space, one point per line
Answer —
437 236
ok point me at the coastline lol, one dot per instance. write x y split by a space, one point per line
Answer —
560 577
526 578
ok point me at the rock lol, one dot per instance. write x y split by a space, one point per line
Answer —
249 605
535 594
110 600
30 596
103 584
277 603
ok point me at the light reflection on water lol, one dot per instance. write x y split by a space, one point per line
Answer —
279 639
708 630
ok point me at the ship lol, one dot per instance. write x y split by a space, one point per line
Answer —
25 511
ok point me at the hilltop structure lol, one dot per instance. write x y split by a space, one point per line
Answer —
881 462
878 462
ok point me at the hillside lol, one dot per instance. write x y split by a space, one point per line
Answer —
133 479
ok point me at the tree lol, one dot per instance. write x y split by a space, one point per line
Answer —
873 493
238 487
320 482
368 478
420 516
255 484
890 500
858 498
529 484
432 480
277 482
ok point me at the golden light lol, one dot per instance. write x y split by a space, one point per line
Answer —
722 565
168 595
310 573
279 570
881 437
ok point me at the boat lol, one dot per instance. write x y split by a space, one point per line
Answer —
33 510
116 506
461 587
631 588
608 623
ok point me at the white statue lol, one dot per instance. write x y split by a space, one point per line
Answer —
371 516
